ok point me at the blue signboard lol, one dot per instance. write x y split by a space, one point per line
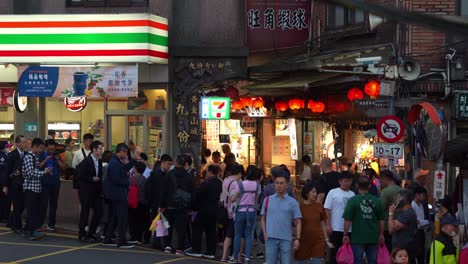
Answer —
37 81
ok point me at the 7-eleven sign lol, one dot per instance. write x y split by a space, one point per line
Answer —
215 108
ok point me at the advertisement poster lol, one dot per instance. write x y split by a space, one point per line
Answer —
91 81
6 96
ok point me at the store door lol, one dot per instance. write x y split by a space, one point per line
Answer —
143 128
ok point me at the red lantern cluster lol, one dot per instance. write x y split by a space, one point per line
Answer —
355 94
281 106
372 89
296 104
255 102
316 107
236 105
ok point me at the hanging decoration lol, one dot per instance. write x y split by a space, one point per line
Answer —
236 105
355 94
281 106
372 89
232 93
257 102
296 104
317 107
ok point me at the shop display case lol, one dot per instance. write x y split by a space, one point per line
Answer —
66 130
6 130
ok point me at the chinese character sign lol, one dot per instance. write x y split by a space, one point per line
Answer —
275 24
439 184
97 81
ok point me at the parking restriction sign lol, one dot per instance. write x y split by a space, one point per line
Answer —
390 129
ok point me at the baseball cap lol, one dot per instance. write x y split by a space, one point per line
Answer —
448 219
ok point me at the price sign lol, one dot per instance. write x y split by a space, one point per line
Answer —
388 151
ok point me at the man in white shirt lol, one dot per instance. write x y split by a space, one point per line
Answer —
423 224
335 204
78 156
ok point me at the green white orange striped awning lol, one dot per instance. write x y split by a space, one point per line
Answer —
102 38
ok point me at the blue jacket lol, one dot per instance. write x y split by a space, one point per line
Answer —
54 178
117 181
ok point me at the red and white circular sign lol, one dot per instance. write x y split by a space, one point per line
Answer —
75 104
390 129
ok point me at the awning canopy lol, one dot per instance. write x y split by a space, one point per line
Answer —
102 38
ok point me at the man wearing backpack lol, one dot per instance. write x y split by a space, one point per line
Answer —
175 201
80 155
90 184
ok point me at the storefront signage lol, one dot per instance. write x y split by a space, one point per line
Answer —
390 129
248 125
439 184
90 38
215 108
256 112
293 139
92 81
75 104
30 127
388 151
6 96
461 105
20 102
276 24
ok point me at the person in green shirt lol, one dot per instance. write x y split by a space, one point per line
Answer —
388 197
364 211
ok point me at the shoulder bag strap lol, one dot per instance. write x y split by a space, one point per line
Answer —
371 205
227 194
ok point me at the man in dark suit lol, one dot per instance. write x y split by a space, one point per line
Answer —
4 199
15 182
90 186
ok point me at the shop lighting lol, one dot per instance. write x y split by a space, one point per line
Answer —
296 104
281 106
372 89
317 107
355 94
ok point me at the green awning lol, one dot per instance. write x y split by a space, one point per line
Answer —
292 81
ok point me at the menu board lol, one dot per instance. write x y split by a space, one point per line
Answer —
212 135
281 150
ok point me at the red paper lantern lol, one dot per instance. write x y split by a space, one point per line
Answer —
372 89
355 94
296 104
281 106
232 92
318 107
236 105
246 101
309 104
257 103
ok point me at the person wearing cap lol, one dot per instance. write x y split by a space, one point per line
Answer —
443 250
388 197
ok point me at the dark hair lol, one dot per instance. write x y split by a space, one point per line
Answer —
285 168
68 140
395 252
121 147
285 176
180 160
140 167
306 190
51 133
306 159
206 152
188 160
363 183
3 145
50 142
252 173
106 156
230 157
18 138
213 169
369 172
165 157
388 174
37 142
216 154
446 202
315 170
346 175
88 136
143 156
419 189
407 196
95 145
236 169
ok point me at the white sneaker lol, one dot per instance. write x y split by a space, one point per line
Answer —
168 250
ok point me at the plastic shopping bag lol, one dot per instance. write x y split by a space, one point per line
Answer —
383 257
345 254
155 223
161 230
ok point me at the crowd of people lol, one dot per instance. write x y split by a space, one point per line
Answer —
249 214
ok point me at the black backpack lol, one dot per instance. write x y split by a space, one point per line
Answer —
76 174
182 199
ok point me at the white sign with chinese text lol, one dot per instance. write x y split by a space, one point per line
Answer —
293 139
439 184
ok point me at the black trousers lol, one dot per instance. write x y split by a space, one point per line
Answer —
178 220
421 248
138 221
89 202
118 220
49 200
388 241
5 205
207 224
336 239
18 200
33 211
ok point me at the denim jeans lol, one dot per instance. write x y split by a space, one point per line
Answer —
371 253
279 248
310 261
244 225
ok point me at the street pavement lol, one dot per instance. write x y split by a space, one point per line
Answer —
64 248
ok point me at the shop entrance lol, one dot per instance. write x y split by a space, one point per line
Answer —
144 128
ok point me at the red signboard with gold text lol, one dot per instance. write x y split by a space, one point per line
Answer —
276 24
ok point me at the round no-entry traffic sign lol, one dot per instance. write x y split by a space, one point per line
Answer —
390 129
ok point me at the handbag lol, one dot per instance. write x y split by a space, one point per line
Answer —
383 256
345 254
133 194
